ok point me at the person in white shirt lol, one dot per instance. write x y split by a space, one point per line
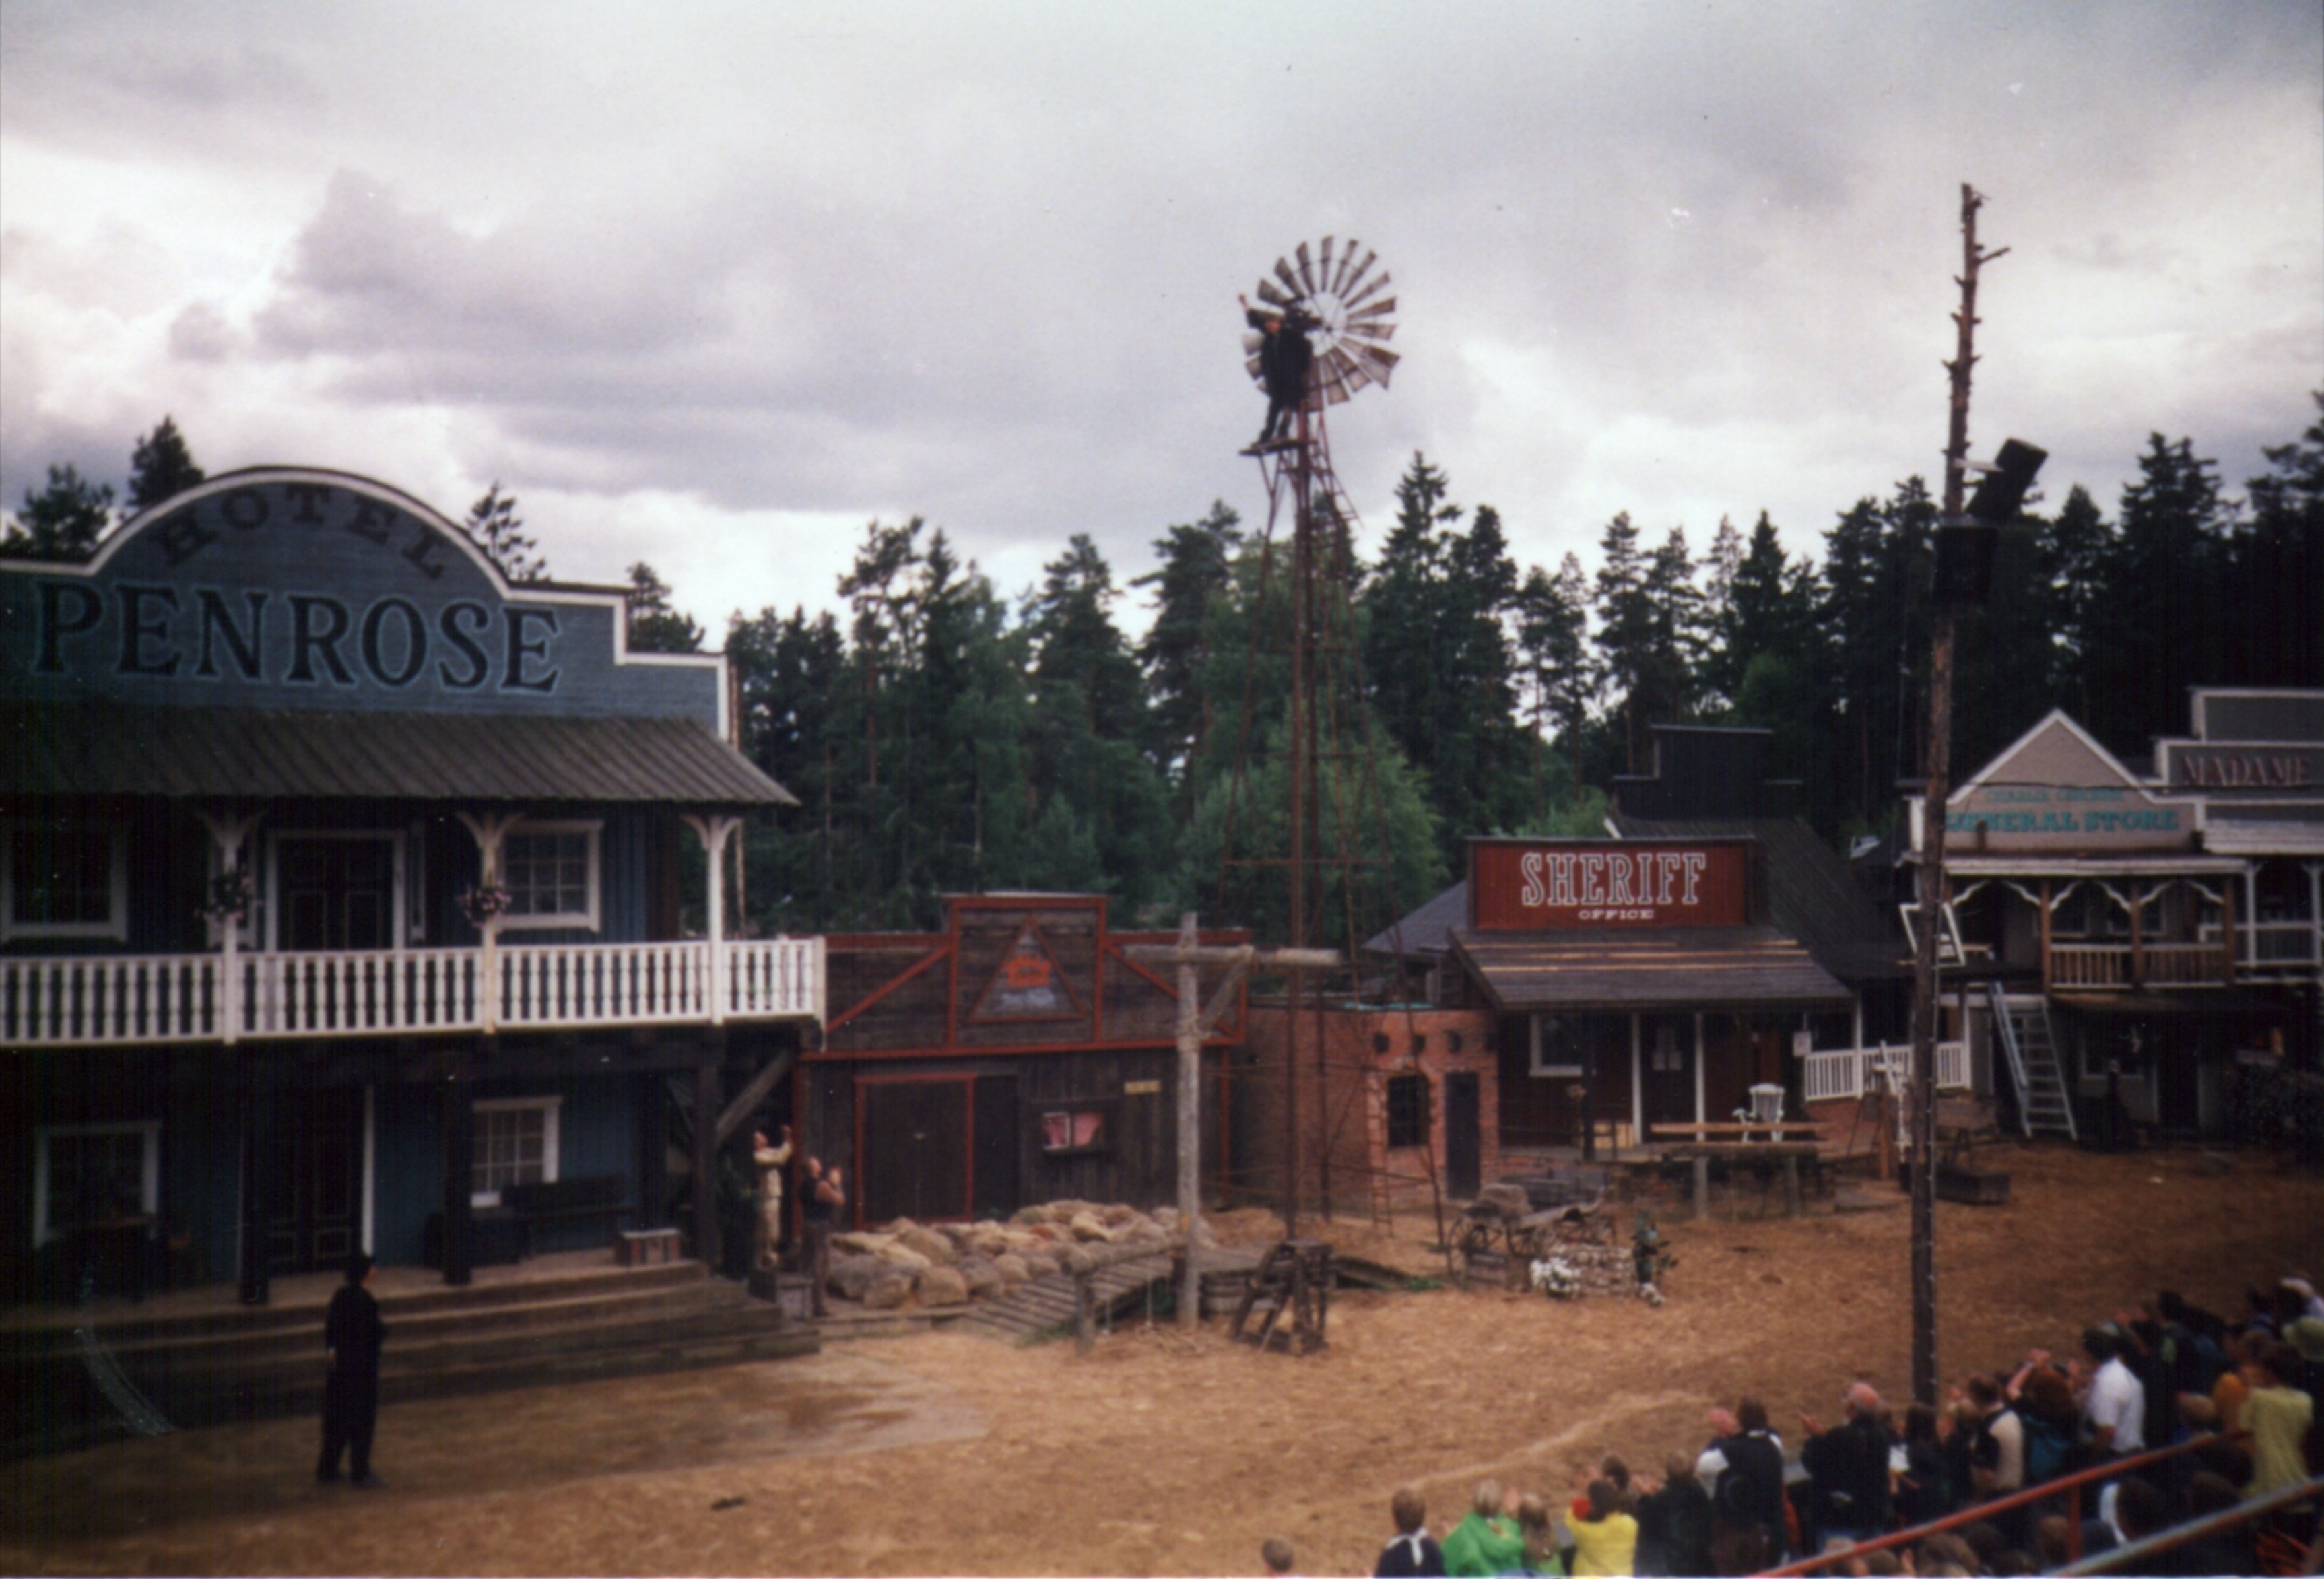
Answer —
2114 1407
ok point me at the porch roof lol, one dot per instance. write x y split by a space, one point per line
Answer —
2089 866
1625 969
229 754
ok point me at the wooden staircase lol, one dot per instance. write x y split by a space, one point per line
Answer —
80 1379
2022 1025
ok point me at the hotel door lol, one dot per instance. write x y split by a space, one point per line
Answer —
337 891
314 1196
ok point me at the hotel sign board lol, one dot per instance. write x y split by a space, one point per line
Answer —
283 588
1531 886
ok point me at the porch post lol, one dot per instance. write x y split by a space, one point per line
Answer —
459 1180
254 1264
1702 1163
707 1247
2137 939
1637 1087
2048 907
1190 1109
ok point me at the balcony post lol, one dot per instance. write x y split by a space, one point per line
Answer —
489 829
2227 933
229 834
713 832
2047 907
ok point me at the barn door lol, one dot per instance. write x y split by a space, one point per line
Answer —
916 1150
999 1144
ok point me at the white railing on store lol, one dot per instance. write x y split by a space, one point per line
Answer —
91 1001
1849 1072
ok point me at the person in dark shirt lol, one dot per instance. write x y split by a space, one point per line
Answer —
1675 1522
1848 1469
1285 356
1414 1553
352 1335
825 1193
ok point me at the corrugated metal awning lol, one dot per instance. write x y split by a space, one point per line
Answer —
1622 969
226 754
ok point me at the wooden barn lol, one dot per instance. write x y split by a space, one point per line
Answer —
1018 1055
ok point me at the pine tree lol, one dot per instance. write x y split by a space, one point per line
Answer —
161 467
654 627
1196 568
493 526
61 522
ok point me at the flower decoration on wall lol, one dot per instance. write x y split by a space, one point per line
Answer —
483 903
229 897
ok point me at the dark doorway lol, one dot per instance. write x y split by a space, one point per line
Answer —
1666 1068
337 892
314 1196
998 1145
915 1150
1462 1149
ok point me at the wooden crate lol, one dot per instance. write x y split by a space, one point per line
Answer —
645 1247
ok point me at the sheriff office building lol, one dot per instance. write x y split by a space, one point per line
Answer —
340 901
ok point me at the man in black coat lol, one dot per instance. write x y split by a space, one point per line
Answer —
1848 1469
352 1335
1285 358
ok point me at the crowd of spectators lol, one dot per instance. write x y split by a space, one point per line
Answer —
2241 1395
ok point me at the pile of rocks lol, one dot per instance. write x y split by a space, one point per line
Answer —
907 1263
1593 1267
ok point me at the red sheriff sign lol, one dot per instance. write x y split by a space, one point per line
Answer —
1527 885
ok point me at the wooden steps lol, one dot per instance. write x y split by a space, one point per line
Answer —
212 1366
1045 1305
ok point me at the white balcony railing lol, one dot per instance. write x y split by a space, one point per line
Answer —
1849 1072
92 1000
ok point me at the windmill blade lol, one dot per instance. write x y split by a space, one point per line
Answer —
1380 364
1323 269
1382 331
1306 269
1381 309
1358 377
1290 280
1337 362
1360 297
1250 365
1271 295
1347 258
1349 284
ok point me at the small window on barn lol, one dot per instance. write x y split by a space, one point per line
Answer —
1407 1110
1074 1129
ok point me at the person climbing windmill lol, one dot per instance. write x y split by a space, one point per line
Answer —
1285 358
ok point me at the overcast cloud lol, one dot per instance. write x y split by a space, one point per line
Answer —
712 286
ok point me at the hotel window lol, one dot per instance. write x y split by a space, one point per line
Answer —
64 879
94 1173
551 871
516 1144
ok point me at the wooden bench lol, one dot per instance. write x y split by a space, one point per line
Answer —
593 1196
1703 1152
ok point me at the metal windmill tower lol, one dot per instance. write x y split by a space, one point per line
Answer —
1334 855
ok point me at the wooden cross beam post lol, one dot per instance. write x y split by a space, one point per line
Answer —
1196 1021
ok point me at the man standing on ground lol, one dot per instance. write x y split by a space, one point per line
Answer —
352 1335
770 1162
824 1194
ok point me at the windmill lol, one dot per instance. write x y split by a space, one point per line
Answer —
1336 847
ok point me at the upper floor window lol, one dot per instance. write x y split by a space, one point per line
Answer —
64 879
551 871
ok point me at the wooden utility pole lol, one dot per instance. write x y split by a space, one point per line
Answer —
1196 1021
1934 794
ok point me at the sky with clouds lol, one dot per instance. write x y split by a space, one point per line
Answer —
714 285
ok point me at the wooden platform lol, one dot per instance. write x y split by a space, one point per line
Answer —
1045 1305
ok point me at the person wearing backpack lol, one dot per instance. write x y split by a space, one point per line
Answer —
1996 1456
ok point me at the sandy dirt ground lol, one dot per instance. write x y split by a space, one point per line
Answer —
1164 1452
